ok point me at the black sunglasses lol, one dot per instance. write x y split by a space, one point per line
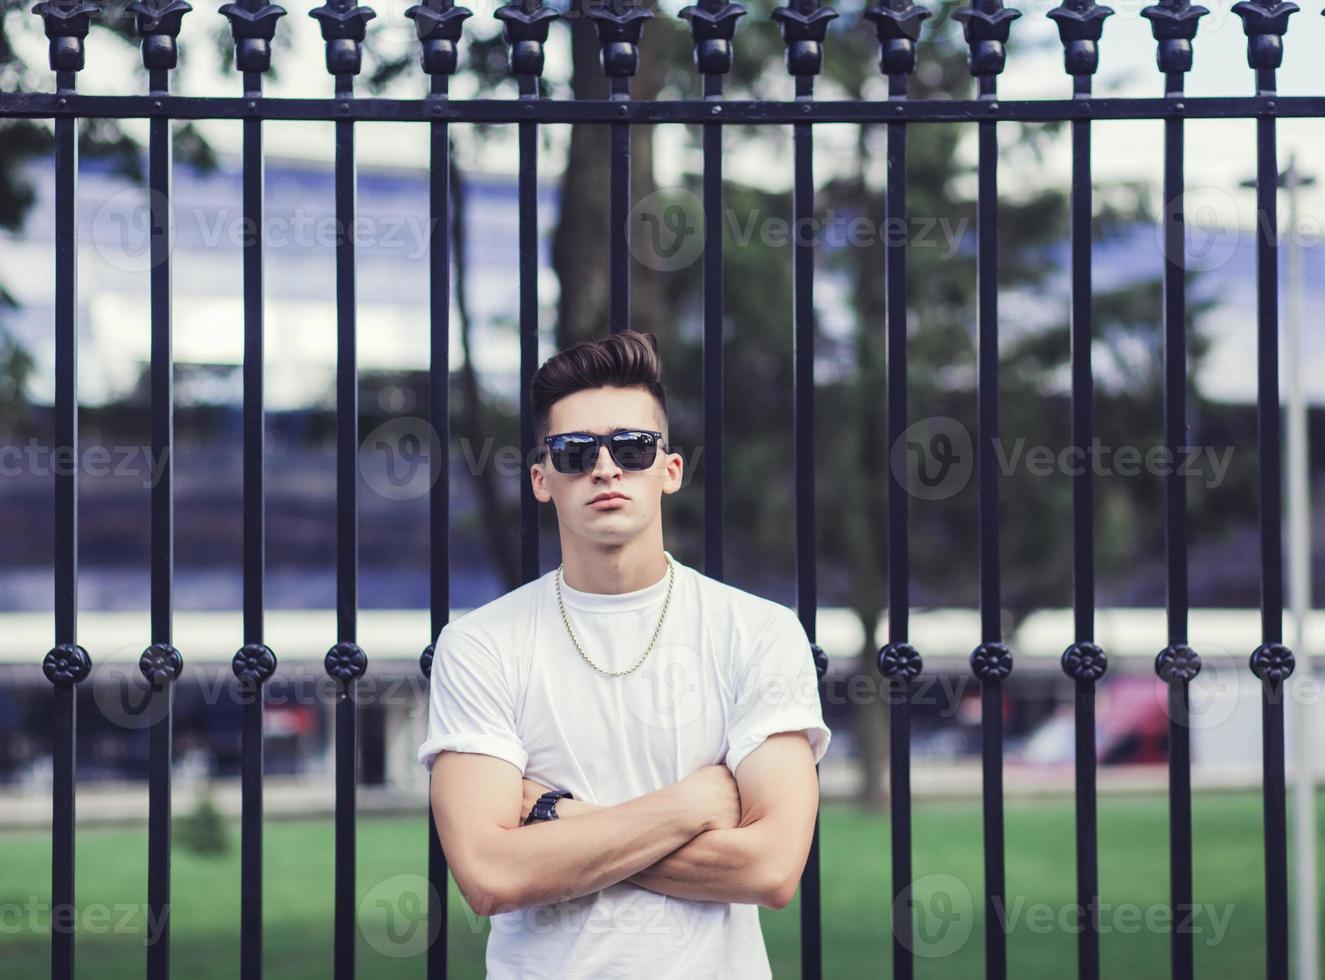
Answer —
577 452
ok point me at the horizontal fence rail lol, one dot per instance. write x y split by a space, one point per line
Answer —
804 25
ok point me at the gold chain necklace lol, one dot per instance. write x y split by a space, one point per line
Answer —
671 574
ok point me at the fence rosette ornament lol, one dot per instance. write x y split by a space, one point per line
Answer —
66 664
820 658
345 661
1177 662
1272 662
900 660
160 663
991 661
254 663
1085 661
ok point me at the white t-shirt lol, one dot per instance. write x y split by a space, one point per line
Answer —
729 669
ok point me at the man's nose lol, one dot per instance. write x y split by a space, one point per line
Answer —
605 465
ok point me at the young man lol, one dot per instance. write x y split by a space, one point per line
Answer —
679 715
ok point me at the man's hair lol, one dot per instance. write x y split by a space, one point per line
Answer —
628 359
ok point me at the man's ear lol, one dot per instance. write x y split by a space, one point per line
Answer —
675 470
538 480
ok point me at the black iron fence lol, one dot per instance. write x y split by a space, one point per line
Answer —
619 24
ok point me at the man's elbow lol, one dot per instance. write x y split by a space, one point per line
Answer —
489 893
779 890
488 884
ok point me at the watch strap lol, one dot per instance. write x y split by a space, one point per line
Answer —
545 807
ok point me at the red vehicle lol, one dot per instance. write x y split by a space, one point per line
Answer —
1131 726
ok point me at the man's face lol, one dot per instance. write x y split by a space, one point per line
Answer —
600 410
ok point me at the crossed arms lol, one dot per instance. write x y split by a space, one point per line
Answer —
709 837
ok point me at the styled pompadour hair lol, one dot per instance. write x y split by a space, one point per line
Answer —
628 359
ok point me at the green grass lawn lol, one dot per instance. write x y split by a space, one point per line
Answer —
854 848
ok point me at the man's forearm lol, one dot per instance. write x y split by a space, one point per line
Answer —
721 865
715 866
557 860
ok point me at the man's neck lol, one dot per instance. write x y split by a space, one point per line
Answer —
613 571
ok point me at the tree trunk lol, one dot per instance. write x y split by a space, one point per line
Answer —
581 242
872 723
472 425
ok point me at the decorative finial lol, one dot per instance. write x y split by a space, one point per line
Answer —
804 25
344 25
158 24
712 25
1080 24
897 23
985 24
439 24
67 23
253 25
525 26
1174 22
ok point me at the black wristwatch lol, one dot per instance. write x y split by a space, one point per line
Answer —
546 806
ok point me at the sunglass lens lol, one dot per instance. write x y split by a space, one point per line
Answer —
634 450
573 454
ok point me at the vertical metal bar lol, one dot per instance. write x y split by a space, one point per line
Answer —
713 344
67 663
252 24
620 210
991 684
897 24
528 243
250 947
899 661
1175 536
347 534
1274 661
439 496
162 536
1084 661
802 302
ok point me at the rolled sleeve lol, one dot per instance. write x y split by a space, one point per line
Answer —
471 707
777 691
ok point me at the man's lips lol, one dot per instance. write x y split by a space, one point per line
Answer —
608 498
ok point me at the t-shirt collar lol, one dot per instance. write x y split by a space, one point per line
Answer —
618 602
